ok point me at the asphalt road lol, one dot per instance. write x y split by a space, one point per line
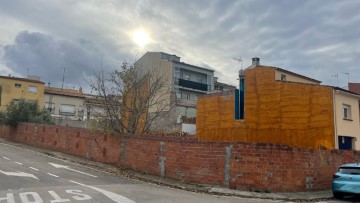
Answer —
27 176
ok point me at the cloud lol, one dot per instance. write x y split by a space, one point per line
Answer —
47 56
312 38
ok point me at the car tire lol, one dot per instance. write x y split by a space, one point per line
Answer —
338 195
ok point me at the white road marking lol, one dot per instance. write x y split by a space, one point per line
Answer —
68 168
57 198
20 174
53 175
18 163
6 158
113 196
34 168
30 197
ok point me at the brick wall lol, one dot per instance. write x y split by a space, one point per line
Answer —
245 166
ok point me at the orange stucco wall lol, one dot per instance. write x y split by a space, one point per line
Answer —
296 114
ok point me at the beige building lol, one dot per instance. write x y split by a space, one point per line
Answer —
186 83
347 119
65 104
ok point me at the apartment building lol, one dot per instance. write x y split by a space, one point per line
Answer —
16 88
274 105
222 87
64 103
186 82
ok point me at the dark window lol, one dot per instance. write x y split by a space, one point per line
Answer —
350 170
193 85
17 85
283 77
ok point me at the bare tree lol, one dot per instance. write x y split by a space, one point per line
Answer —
132 97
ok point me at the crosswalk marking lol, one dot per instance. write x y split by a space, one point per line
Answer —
53 175
34 168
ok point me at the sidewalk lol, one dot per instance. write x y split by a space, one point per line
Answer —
134 175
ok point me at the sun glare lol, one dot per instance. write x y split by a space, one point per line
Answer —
141 38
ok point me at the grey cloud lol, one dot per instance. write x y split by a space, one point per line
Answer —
294 35
47 56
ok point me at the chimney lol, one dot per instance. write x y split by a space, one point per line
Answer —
255 61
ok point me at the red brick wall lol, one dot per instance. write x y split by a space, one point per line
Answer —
245 166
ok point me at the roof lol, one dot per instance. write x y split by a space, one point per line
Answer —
347 91
286 71
354 87
183 62
296 74
224 84
63 92
22 79
193 66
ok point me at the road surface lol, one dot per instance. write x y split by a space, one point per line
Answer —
28 176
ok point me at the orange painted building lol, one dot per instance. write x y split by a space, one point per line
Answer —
280 107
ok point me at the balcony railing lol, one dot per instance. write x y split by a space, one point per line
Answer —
186 102
193 85
67 113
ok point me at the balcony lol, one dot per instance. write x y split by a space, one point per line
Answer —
193 85
185 102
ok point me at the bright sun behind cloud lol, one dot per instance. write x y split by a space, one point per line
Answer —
141 37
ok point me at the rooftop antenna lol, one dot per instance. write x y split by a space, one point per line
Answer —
63 79
348 76
28 71
337 78
240 61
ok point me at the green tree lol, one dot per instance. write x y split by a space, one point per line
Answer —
24 111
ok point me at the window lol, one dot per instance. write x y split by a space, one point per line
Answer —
188 96
187 77
32 89
50 107
185 96
198 79
18 85
178 95
66 109
283 77
350 170
347 111
16 101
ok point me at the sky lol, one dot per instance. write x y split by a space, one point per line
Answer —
319 39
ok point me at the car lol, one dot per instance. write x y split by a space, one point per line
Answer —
346 180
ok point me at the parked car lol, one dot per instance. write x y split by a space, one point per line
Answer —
346 181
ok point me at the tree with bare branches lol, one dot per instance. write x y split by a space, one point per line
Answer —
131 97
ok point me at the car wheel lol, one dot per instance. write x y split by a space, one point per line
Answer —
338 195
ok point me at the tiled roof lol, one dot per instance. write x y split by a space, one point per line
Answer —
63 92
21 79
354 87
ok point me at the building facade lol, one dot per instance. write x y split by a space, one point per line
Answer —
222 87
15 88
279 106
64 104
186 83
